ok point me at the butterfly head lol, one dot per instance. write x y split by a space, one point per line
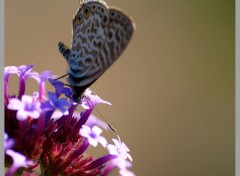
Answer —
76 96
77 93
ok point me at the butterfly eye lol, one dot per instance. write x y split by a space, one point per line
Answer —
86 11
79 19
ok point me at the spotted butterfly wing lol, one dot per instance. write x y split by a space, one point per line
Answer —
120 30
100 34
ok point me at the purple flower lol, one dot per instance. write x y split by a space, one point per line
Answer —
8 143
91 99
25 71
55 103
19 161
25 108
121 150
126 172
60 89
93 135
7 72
123 169
41 80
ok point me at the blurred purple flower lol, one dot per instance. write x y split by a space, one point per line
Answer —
25 71
121 150
8 143
19 161
126 172
25 108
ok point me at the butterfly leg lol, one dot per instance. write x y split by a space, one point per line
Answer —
64 50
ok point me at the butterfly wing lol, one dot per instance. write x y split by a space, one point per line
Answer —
90 26
119 33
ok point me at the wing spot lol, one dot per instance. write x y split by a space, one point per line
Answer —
92 27
88 60
105 19
117 35
90 37
78 47
112 14
110 35
99 44
81 54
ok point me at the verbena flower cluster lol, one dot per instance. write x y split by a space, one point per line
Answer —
45 136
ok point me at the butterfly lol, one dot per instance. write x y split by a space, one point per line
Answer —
99 36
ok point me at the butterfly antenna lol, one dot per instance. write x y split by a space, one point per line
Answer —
110 126
61 77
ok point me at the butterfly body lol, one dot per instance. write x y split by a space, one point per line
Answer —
100 34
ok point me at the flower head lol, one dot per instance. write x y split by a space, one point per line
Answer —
48 129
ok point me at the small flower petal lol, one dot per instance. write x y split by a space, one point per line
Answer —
93 120
10 70
15 104
96 130
126 172
58 103
92 99
22 115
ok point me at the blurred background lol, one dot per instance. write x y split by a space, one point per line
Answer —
172 90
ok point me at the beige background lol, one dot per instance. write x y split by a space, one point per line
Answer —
173 88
